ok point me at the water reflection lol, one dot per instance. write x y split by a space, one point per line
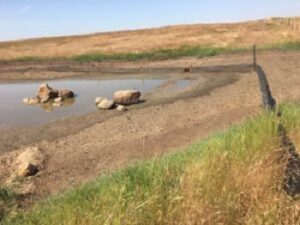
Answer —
51 105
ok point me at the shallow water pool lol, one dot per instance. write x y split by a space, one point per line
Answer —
14 112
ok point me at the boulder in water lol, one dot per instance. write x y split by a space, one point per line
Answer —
65 94
45 92
127 97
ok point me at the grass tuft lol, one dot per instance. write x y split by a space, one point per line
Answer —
8 201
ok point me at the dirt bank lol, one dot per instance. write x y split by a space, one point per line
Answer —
80 148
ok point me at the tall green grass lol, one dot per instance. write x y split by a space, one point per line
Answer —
233 177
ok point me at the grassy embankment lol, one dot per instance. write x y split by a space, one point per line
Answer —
164 54
234 177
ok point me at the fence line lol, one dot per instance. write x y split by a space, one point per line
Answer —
294 23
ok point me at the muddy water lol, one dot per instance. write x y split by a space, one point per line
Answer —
14 112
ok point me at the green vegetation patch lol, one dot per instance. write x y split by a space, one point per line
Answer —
286 46
29 58
230 178
162 54
8 202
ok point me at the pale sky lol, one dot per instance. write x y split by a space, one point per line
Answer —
20 19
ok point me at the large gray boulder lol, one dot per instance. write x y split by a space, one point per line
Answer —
127 97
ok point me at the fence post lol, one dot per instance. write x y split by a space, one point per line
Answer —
254 57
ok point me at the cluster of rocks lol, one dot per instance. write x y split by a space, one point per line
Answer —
120 100
45 94
30 161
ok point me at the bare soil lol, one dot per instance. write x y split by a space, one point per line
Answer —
78 149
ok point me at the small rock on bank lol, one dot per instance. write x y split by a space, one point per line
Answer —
121 108
29 162
104 103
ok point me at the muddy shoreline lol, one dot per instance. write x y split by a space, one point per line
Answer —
16 71
14 137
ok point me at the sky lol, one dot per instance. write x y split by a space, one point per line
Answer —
22 19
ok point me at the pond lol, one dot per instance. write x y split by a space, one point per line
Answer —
14 112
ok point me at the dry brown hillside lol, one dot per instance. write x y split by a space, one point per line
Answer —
261 32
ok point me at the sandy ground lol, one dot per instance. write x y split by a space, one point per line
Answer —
79 149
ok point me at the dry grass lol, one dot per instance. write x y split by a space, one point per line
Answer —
230 187
238 35
235 193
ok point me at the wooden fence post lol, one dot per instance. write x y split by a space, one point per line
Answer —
254 57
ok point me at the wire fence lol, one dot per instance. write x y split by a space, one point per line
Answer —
291 182
294 23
